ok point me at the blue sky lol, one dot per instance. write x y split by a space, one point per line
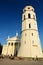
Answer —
11 17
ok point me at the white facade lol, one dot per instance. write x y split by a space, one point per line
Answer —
30 42
11 49
4 50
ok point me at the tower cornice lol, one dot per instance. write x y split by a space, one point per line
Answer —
29 29
29 19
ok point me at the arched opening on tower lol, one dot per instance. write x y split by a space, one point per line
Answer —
24 17
29 25
29 15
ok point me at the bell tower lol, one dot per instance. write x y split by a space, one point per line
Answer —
30 42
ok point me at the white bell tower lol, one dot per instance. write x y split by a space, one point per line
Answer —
30 42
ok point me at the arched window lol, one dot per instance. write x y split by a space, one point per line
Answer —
29 25
24 17
29 16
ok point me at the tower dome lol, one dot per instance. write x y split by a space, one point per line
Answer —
28 8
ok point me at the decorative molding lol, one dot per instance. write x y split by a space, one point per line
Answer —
29 29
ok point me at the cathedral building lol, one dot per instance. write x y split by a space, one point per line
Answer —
12 47
29 45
